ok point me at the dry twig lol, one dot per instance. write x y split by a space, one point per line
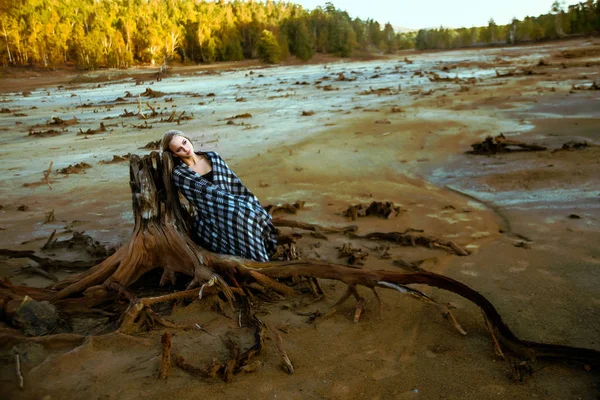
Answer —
18 370
165 364
47 175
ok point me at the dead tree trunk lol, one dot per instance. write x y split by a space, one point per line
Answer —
160 237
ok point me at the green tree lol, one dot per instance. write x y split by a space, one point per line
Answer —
389 39
362 37
117 33
490 34
268 48
300 41
284 45
8 28
374 34
558 12
406 40
465 38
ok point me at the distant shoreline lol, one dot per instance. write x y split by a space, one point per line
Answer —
27 78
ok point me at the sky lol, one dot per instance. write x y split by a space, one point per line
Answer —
417 14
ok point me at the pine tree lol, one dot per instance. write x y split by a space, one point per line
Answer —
389 38
302 43
268 48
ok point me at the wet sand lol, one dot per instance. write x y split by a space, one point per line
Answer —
388 135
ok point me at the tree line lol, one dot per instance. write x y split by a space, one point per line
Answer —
578 19
121 33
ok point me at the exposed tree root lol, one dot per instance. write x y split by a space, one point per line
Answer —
313 227
490 328
140 315
409 266
239 361
289 208
500 144
408 238
47 133
154 113
62 122
94 276
209 372
152 93
505 337
376 208
91 131
283 239
75 168
423 297
355 256
286 364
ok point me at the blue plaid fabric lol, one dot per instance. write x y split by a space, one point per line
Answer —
229 219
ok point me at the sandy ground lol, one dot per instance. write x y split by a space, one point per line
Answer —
385 133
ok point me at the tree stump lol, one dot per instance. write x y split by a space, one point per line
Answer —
160 236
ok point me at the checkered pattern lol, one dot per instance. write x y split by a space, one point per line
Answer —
229 218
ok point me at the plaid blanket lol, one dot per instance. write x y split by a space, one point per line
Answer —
229 218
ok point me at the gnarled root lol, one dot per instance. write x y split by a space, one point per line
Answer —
506 339
313 227
140 313
286 363
408 238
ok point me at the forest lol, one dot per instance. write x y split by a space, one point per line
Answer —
579 19
90 34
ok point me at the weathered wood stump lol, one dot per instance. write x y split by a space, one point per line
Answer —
160 237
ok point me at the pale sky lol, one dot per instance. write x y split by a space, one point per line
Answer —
417 14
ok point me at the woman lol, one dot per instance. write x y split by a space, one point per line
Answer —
229 218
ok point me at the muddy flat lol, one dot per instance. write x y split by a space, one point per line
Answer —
333 135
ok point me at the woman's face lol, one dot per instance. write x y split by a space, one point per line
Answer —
181 147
